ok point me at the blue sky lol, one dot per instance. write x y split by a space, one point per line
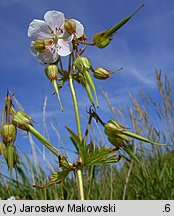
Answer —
144 43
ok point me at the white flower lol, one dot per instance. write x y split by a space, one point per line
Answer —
49 38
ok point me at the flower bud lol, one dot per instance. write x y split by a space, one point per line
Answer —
51 72
8 133
41 45
70 26
101 73
82 63
21 120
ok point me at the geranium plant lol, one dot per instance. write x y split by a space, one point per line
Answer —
51 39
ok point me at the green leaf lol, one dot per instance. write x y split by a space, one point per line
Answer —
99 156
63 163
76 141
56 178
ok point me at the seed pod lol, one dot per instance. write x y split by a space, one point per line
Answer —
100 39
91 84
8 133
101 73
112 128
51 72
82 63
10 158
103 39
138 137
21 120
88 90
56 89
117 142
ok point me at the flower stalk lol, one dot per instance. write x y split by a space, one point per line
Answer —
75 107
79 170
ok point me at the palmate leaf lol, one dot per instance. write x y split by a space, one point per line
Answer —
56 178
92 154
98 156
64 164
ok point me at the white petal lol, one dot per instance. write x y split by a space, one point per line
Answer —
32 49
54 19
79 29
48 57
38 30
66 47
66 36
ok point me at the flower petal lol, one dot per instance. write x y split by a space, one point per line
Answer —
48 57
67 37
54 19
65 48
38 30
79 29
32 49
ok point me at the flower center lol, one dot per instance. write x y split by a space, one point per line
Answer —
56 34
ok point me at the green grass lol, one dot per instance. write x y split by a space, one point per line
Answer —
126 179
